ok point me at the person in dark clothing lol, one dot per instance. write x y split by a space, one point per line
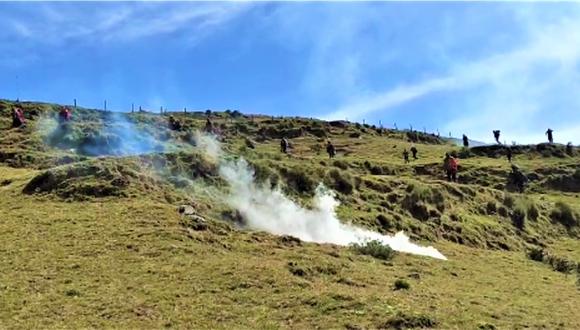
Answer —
405 156
550 135
509 154
496 135
330 150
414 152
174 124
518 178
18 118
208 126
284 145
465 141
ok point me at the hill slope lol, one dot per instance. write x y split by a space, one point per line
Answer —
93 236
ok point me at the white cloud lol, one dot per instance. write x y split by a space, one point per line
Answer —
508 90
57 24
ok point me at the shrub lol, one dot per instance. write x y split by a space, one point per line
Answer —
536 254
406 321
376 170
340 164
402 285
299 181
533 212
342 181
519 217
563 213
491 207
374 248
508 200
384 222
502 211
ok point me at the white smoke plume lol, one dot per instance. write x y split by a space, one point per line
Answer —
270 210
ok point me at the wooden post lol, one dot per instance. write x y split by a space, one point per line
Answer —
105 105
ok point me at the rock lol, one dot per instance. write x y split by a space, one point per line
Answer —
186 210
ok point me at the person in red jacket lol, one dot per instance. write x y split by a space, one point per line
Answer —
64 115
453 167
18 118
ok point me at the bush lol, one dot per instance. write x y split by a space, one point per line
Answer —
340 164
508 200
402 285
341 181
384 222
502 211
564 214
406 321
491 207
519 217
374 248
536 254
533 212
299 181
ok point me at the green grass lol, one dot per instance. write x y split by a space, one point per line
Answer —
78 255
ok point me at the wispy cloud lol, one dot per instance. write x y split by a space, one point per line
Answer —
58 23
509 90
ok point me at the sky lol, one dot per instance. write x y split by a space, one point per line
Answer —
447 67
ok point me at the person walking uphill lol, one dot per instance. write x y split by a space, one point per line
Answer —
284 145
64 115
406 156
450 164
414 152
330 150
18 118
465 141
550 136
509 154
496 135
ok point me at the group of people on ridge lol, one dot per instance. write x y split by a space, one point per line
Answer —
18 119
450 162
330 150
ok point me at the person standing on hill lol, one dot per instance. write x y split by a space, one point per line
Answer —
414 152
64 115
550 136
465 141
453 166
284 145
496 135
450 165
406 156
208 126
509 154
330 149
18 118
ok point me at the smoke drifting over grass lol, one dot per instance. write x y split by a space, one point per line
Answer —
105 134
270 210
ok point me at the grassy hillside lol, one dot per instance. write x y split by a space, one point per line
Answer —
92 236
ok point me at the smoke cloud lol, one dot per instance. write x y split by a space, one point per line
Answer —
270 210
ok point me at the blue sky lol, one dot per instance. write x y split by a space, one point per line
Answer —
453 67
